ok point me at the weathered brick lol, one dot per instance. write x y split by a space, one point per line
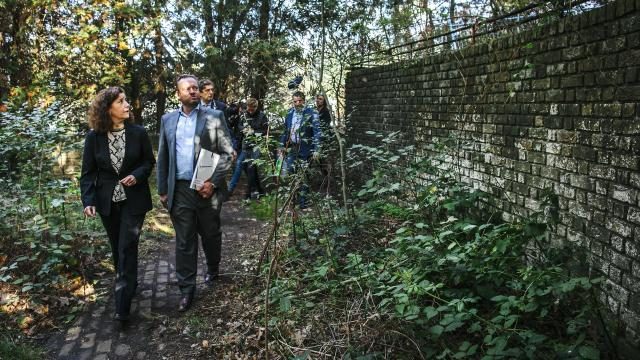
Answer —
634 215
565 136
580 210
601 187
574 52
631 74
609 110
618 226
632 250
624 194
569 109
603 172
580 181
629 110
584 152
617 209
572 81
615 275
617 243
634 302
629 93
625 161
599 233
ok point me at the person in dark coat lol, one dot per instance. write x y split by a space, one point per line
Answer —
116 163
253 124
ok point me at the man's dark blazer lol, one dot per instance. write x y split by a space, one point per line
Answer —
98 178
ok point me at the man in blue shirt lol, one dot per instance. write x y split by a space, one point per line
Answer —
183 133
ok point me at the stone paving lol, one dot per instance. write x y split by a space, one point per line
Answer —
94 335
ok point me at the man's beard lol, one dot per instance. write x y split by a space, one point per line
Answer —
191 103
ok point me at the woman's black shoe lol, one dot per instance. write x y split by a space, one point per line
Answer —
120 317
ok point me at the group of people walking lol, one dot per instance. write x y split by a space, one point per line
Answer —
118 159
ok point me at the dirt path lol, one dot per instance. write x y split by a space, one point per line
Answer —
219 324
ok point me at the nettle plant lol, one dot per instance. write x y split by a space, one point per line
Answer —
446 271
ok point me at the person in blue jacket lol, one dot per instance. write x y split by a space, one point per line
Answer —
300 140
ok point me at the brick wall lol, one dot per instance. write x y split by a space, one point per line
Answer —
556 106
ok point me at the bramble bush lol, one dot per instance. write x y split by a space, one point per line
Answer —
425 269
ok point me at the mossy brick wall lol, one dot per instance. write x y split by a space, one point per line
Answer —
556 106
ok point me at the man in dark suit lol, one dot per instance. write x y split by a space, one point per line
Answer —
208 100
183 133
207 96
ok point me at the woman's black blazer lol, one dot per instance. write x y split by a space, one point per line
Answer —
98 178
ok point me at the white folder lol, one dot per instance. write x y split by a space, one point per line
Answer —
206 165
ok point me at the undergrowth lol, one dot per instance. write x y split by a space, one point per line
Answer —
51 256
420 268
17 350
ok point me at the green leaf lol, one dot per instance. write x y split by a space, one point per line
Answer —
453 326
401 230
511 319
430 312
436 330
285 304
589 352
445 234
475 327
469 227
501 245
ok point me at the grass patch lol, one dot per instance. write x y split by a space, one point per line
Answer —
263 208
10 350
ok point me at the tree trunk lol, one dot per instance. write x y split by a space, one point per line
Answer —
324 42
452 16
263 67
161 75
20 72
209 24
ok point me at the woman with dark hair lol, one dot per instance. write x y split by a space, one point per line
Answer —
116 163
324 115
328 142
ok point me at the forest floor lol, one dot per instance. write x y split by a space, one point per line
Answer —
221 323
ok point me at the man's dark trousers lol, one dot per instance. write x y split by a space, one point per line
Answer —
192 215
